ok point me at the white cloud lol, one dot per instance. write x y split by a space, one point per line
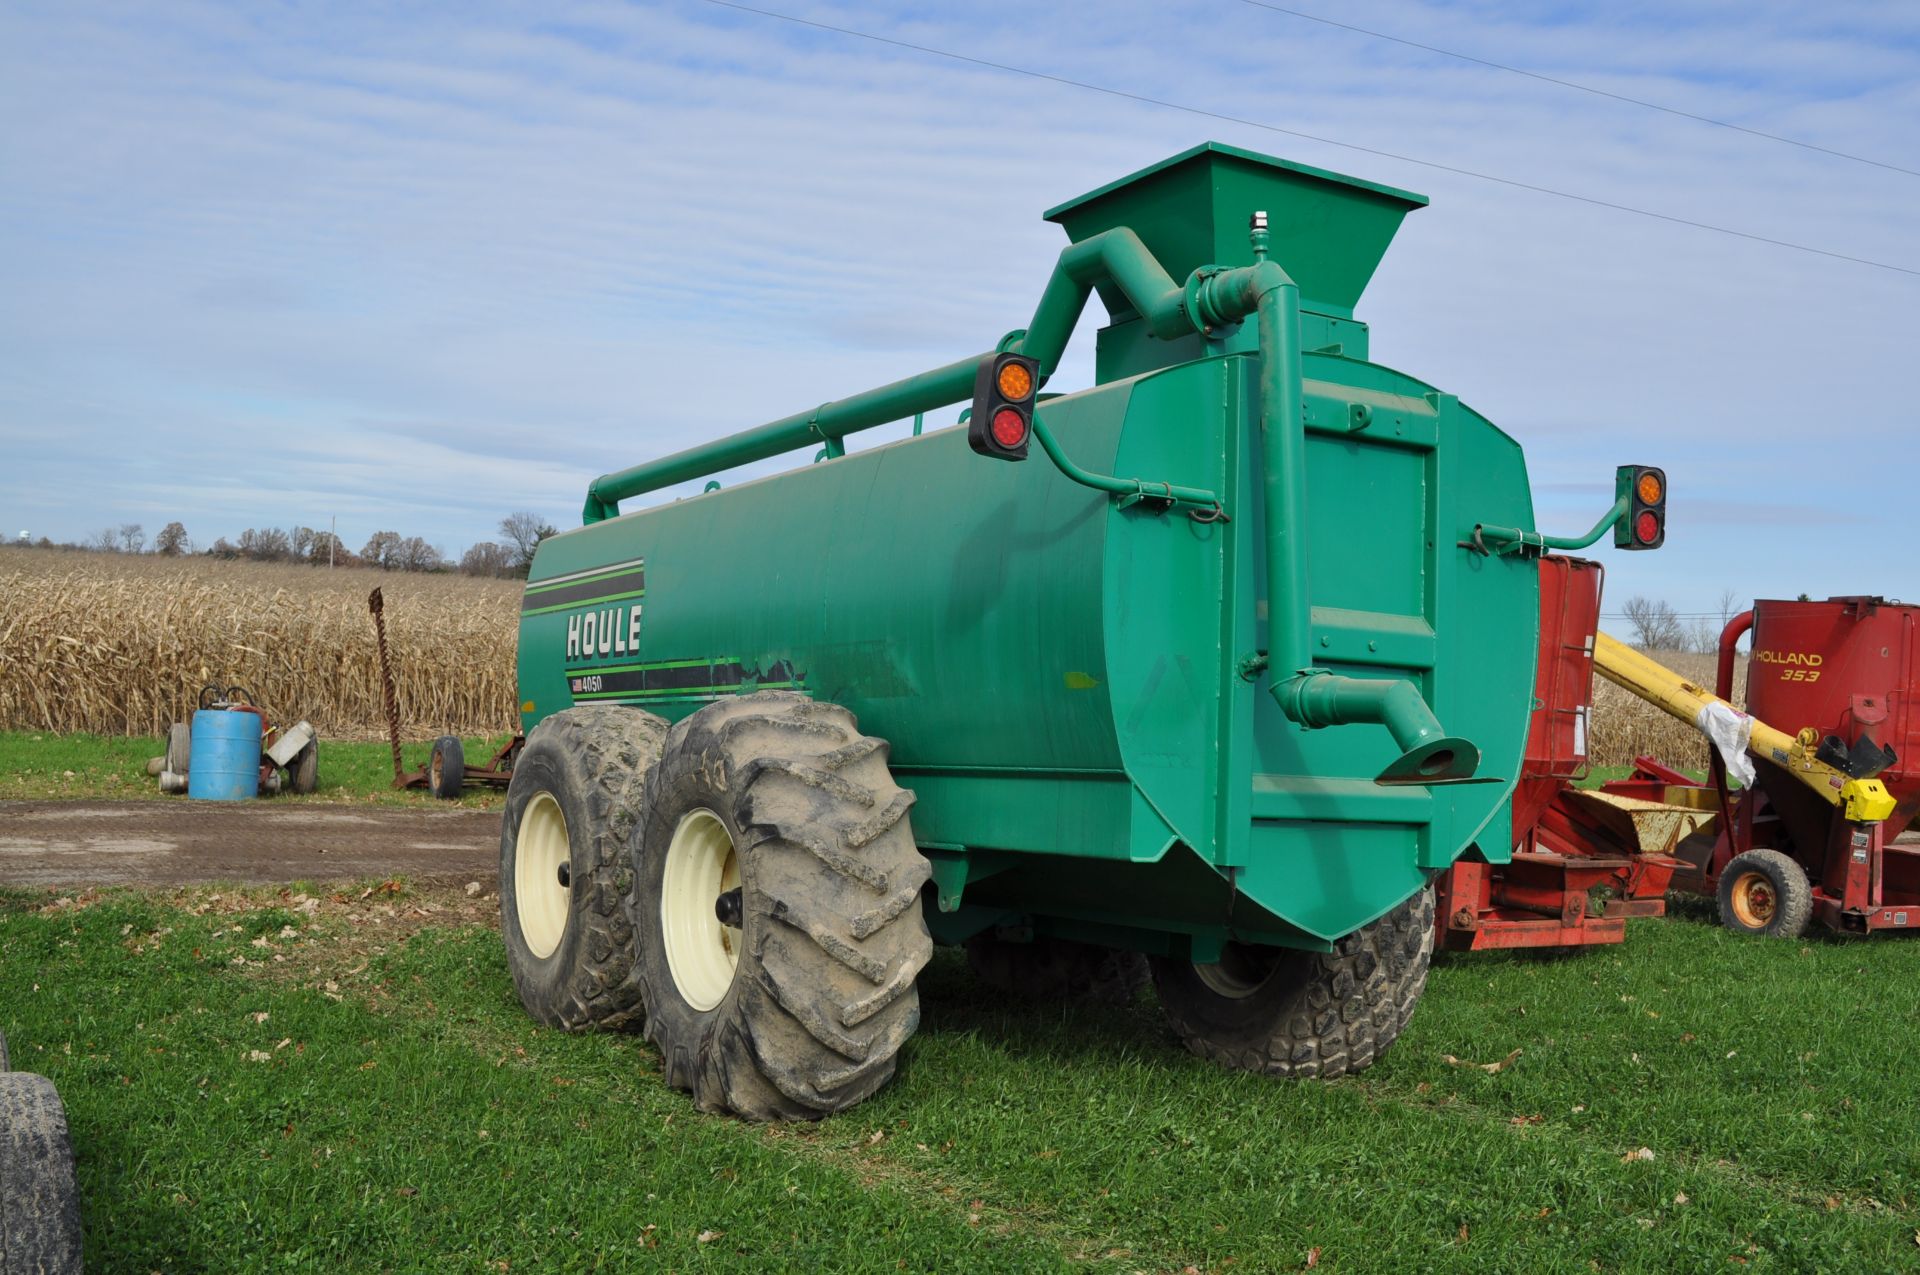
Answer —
423 267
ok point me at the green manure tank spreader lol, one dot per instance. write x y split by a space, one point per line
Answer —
1218 662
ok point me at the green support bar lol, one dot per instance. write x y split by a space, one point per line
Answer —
1498 540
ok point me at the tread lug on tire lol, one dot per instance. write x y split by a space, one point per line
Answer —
1049 968
1303 1015
802 1010
39 1200
1765 892
573 805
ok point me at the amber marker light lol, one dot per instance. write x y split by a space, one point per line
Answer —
1015 382
1650 488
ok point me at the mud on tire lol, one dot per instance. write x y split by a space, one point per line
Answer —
1049 968
813 995
1303 1014
1765 892
575 800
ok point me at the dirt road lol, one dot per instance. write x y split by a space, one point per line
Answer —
78 843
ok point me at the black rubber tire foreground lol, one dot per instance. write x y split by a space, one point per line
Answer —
1049 968
832 936
39 1202
1315 1014
447 767
594 761
1792 895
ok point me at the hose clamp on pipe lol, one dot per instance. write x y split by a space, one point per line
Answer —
1206 309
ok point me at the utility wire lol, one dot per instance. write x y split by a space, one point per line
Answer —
1584 88
1314 137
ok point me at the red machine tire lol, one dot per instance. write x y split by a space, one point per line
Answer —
1766 893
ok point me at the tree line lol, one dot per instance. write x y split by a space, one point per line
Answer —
508 557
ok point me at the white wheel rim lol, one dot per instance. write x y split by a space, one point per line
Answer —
1239 974
702 954
542 885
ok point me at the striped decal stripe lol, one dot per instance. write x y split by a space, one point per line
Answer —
628 582
678 679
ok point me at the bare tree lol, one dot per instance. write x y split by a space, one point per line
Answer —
268 544
172 541
300 543
415 554
524 531
106 540
488 559
224 548
1655 626
381 549
1729 606
326 547
132 538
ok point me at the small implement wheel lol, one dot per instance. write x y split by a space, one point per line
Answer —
39 1201
1765 892
447 769
1049 968
179 747
777 903
1303 1015
305 770
564 868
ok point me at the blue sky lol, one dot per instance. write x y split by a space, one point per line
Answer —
417 266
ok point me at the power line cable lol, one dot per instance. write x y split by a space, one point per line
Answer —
1584 88
1314 137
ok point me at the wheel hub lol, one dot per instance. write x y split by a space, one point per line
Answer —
700 885
1240 972
1754 900
542 875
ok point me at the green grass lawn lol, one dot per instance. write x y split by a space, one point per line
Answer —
40 765
396 1110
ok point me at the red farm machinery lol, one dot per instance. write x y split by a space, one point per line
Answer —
1788 828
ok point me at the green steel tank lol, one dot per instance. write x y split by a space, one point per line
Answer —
1215 662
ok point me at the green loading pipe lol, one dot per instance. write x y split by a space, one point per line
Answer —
1213 298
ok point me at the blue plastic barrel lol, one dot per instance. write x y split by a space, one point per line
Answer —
226 756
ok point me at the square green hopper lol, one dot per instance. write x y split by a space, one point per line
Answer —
1328 231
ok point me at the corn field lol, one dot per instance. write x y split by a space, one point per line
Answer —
1625 727
121 644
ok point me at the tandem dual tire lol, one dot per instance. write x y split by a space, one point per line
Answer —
746 883
1303 1015
776 899
39 1198
565 871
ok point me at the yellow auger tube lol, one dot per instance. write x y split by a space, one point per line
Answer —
1865 800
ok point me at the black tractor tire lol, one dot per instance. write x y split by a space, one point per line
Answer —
179 747
588 768
1764 892
1304 1015
806 1004
304 774
1048 968
447 768
5 1065
39 1200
